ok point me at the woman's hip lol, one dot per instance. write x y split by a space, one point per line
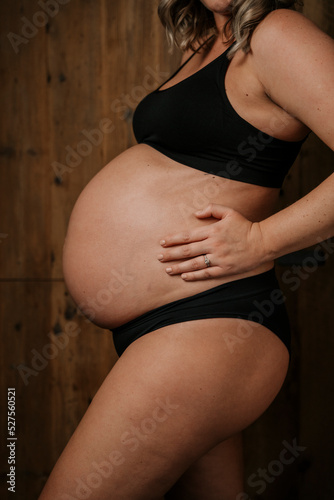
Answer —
256 299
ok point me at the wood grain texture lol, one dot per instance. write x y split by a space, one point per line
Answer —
68 90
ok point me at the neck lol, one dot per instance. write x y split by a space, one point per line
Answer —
220 21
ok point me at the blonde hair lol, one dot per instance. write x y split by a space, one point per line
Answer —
189 21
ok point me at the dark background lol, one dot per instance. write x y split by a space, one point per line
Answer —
80 66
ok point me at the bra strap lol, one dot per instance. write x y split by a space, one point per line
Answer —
186 62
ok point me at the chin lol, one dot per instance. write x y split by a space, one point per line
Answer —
218 6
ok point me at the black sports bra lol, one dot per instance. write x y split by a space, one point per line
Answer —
194 124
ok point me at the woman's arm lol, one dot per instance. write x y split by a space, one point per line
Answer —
306 222
294 61
300 79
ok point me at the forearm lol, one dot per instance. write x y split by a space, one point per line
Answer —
302 224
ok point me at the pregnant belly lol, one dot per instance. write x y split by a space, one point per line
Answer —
110 252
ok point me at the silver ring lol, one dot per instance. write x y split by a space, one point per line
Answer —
207 261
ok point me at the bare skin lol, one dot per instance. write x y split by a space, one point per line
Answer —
259 78
195 375
179 397
148 193
218 474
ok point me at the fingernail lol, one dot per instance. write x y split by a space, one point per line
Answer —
169 270
160 257
162 242
184 276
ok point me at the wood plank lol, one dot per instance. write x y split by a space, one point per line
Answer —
77 126
24 202
56 361
135 62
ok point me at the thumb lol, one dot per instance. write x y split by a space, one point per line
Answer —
213 210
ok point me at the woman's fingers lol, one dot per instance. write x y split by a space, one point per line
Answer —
179 252
199 234
185 237
214 210
204 274
193 269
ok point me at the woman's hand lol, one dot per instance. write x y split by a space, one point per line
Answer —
233 245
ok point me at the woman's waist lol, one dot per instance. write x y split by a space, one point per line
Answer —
127 286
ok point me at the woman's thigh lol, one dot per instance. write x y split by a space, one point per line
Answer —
175 394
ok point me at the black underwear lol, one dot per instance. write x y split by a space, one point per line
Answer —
256 298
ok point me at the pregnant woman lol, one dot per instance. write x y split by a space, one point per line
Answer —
171 246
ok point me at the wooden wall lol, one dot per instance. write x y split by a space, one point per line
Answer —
84 67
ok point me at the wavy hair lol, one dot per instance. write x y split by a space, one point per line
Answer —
189 21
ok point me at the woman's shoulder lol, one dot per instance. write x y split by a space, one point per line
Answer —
293 60
283 19
286 40
283 28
